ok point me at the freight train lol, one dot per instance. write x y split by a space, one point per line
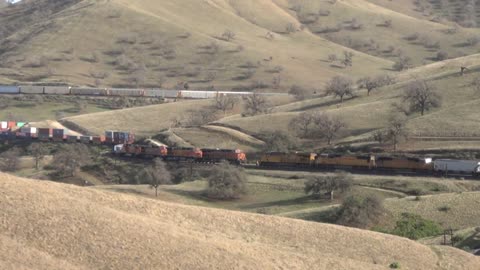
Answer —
127 92
370 163
123 144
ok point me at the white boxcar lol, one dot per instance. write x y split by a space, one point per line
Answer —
57 90
9 89
192 94
31 89
457 166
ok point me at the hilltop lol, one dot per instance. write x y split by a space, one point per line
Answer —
98 229
217 43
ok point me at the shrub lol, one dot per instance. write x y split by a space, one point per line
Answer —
395 265
415 227
444 208
361 212
226 182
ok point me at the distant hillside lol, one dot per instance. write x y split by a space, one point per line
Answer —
98 229
153 43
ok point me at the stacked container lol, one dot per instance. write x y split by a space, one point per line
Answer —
109 136
3 126
44 134
58 135
98 139
85 139
72 139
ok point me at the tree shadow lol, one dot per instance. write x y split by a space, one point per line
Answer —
289 202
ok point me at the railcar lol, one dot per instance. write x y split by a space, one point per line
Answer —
333 161
88 91
184 153
282 159
31 89
57 90
453 166
410 164
9 89
125 92
235 156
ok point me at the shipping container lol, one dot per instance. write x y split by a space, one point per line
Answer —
4 125
8 89
108 134
85 139
98 139
44 134
58 134
89 91
20 124
57 90
11 125
31 89
72 138
456 166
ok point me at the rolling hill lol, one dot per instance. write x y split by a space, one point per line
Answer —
99 229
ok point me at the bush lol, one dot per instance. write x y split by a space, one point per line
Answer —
415 227
226 182
395 265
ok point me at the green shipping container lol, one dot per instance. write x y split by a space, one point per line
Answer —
20 124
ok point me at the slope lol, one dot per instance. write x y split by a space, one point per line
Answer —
95 229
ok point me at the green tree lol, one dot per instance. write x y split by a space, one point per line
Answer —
226 182
278 141
70 158
415 227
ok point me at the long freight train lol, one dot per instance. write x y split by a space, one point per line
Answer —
128 92
123 144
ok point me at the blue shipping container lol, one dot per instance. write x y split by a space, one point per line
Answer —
8 89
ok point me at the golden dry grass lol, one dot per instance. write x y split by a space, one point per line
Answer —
98 229
463 208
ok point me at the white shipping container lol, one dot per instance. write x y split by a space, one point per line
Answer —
452 165
4 125
33 130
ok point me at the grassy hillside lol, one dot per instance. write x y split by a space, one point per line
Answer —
114 228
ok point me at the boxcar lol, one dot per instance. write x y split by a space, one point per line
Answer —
57 90
9 89
31 89
89 91
287 159
126 92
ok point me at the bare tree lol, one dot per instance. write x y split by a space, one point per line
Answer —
340 87
327 126
379 136
396 129
421 96
38 151
10 159
476 84
155 175
228 35
403 62
371 84
332 58
278 141
317 185
70 158
298 92
225 103
255 104
200 117
347 59
303 123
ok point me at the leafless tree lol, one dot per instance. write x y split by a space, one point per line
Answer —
332 58
396 129
347 59
420 96
379 136
38 151
228 35
10 159
155 175
340 181
327 126
225 102
403 62
340 87
298 92
70 158
302 124
370 83
200 117
255 104
476 84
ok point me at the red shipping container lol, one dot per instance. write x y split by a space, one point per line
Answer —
12 124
